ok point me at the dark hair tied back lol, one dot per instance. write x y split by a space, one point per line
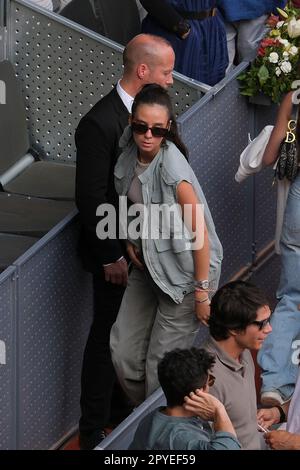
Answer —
155 94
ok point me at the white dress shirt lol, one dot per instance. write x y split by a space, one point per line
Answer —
127 99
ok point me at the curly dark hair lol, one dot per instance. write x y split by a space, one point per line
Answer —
182 371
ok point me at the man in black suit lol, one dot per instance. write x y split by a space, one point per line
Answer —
146 59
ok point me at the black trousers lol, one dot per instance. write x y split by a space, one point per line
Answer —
102 401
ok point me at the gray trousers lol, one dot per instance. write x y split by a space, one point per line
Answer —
243 37
149 323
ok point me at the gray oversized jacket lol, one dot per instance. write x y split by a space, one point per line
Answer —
168 259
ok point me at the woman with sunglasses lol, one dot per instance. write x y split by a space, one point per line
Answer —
173 271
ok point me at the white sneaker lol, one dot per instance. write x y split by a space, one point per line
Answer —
271 398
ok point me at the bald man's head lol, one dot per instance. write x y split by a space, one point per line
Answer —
150 53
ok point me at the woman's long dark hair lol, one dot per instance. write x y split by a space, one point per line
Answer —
155 94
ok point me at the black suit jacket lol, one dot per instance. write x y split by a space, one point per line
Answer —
116 19
97 141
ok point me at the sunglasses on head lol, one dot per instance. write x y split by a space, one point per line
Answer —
143 128
262 323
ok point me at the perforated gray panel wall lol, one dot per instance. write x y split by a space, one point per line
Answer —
7 360
64 72
265 193
216 133
264 115
267 277
2 31
54 316
265 209
121 437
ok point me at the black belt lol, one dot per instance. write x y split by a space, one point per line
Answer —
197 15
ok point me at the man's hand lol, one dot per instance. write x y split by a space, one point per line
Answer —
117 273
268 416
202 404
282 440
134 255
209 408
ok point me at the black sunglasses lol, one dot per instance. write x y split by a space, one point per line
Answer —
262 323
143 128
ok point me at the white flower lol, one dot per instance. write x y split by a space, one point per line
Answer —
278 71
273 58
285 55
293 50
294 28
286 67
285 42
279 24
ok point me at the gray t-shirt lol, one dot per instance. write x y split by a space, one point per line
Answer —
235 388
158 431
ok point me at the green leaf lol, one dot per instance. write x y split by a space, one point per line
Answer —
263 74
282 13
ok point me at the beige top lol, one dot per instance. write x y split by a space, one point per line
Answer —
235 388
135 191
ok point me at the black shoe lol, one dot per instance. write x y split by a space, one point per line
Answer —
90 441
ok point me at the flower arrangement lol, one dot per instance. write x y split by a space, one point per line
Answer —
276 66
